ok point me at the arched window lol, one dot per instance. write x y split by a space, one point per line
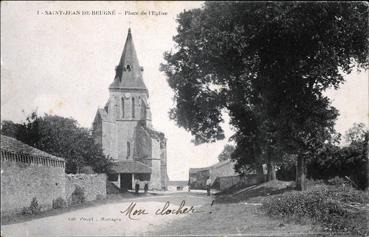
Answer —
128 149
128 67
116 108
143 111
133 107
122 107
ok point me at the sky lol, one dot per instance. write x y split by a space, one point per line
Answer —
63 65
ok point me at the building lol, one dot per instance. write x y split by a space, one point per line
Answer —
198 176
178 185
222 176
124 131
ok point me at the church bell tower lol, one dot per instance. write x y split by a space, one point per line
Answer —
123 127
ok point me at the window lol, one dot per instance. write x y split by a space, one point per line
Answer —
128 149
128 67
133 107
143 111
122 107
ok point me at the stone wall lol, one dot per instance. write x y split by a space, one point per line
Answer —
222 183
155 179
24 177
94 185
163 165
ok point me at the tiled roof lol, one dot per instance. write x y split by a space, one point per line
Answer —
13 145
217 165
194 170
221 163
130 167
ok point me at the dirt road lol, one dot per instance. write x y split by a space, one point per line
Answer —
157 215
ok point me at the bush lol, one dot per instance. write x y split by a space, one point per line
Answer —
338 181
78 196
59 203
345 194
33 209
328 206
86 170
26 211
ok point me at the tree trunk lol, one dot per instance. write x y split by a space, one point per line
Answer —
271 171
270 167
260 173
301 173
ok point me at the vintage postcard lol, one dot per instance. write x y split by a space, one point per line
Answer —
172 118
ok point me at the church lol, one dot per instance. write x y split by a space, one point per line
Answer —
124 131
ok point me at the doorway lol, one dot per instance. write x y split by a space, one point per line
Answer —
125 182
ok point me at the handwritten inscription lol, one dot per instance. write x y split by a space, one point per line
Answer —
133 212
181 209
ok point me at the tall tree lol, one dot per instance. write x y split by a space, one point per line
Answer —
226 153
267 64
61 137
356 134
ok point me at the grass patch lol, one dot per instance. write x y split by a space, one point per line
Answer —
33 209
337 209
59 203
254 193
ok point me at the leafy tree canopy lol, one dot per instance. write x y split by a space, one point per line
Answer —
267 64
228 53
61 137
332 160
357 133
226 153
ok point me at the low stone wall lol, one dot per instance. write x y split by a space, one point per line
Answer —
228 181
22 179
93 185
28 173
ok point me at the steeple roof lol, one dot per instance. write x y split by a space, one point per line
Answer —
128 73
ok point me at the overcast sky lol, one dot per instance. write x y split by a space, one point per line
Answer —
63 65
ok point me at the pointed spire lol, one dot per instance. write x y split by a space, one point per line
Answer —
128 72
129 56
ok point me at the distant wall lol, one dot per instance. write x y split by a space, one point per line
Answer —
24 177
223 183
94 185
228 181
